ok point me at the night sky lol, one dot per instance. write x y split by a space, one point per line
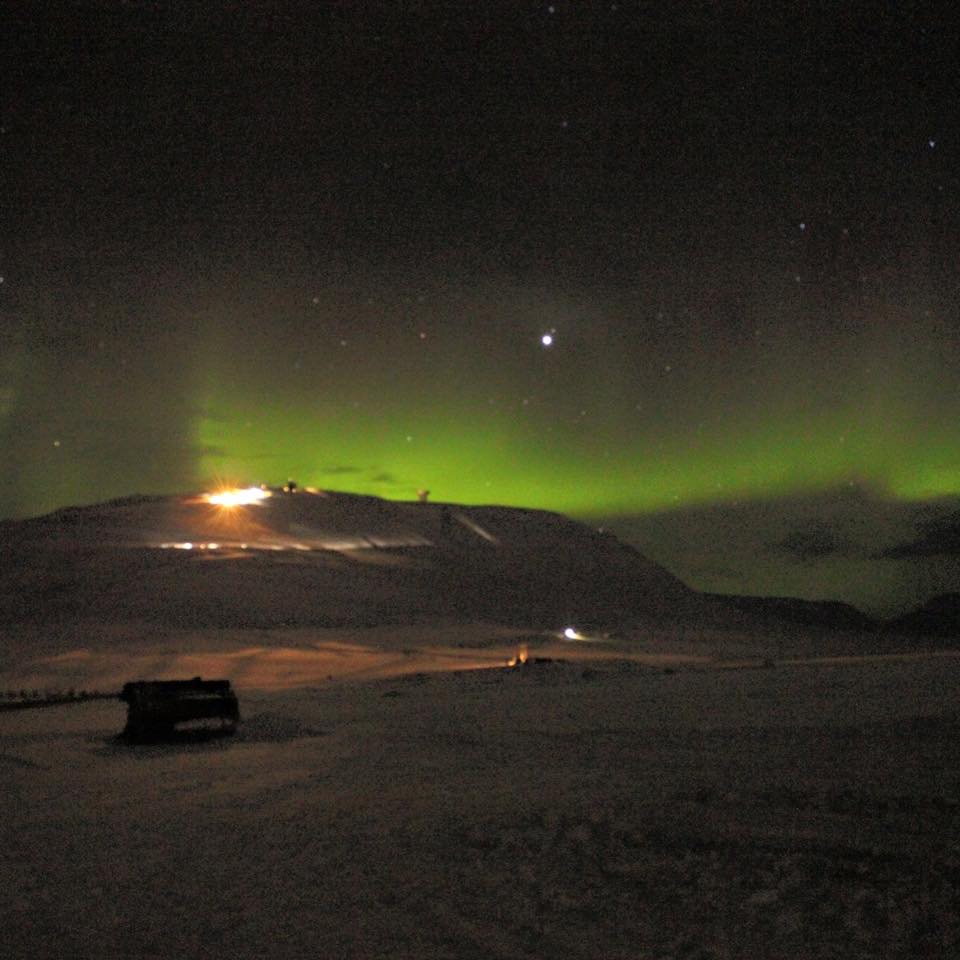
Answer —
251 241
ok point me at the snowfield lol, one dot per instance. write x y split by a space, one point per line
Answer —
602 808
683 779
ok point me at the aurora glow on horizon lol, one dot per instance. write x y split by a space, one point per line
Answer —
580 428
623 264
548 454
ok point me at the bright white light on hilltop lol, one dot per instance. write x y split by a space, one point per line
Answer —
237 497
547 339
572 634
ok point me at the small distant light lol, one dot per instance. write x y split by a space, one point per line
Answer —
571 634
547 339
931 143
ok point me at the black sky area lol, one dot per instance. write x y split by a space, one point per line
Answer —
551 143
739 219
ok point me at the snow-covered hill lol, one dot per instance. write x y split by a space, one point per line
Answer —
324 559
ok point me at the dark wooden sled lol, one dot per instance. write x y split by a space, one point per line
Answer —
156 708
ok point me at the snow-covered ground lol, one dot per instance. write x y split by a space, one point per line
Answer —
681 780
677 804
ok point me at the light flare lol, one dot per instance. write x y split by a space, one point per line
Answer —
237 497
521 658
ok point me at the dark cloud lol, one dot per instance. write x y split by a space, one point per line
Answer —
338 469
939 538
210 450
383 477
819 547
813 544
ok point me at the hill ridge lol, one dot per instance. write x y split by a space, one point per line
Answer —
322 557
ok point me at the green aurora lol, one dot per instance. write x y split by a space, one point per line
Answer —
507 457
457 395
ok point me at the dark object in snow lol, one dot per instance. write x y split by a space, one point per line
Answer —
156 707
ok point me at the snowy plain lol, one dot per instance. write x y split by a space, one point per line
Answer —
663 788
584 807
